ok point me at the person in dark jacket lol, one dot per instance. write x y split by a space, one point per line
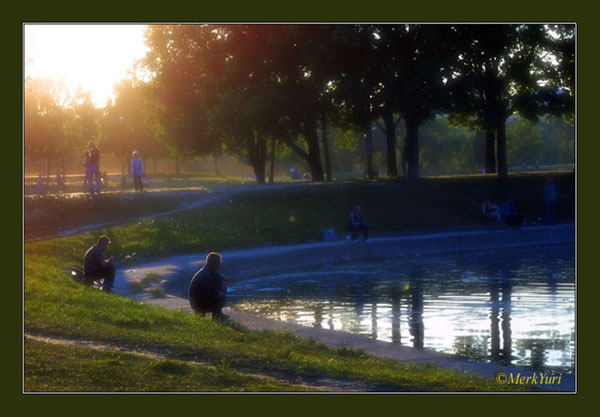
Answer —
208 288
356 224
93 169
96 267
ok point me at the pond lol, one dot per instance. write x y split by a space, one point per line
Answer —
513 307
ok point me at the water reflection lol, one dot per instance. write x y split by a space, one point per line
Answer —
510 307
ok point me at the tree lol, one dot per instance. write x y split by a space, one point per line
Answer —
179 95
45 138
503 70
82 123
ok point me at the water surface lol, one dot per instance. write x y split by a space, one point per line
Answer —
515 307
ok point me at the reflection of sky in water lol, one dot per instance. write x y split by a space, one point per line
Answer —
509 306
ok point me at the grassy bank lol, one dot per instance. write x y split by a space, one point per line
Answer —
51 367
56 306
298 214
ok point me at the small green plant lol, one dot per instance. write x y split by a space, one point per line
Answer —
156 292
140 285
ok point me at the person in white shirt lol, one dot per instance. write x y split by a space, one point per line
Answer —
137 171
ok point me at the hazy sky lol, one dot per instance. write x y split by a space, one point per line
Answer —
94 57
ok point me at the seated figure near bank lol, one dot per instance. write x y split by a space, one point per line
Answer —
508 214
208 289
356 224
96 267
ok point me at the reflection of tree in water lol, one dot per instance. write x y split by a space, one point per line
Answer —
472 347
352 292
538 348
415 323
396 313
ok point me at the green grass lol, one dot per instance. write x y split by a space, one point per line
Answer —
57 306
51 367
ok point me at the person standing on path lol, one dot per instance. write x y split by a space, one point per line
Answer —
93 169
137 170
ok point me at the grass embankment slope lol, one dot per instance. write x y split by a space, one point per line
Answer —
58 307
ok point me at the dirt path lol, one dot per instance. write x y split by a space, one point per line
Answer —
314 384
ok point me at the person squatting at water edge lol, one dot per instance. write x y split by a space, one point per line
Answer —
208 289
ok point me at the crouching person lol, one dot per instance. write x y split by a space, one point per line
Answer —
208 288
96 267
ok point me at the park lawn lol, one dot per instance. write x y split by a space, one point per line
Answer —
50 367
57 306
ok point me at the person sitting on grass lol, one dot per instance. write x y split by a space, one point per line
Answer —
508 213
95 267
356 224
208 288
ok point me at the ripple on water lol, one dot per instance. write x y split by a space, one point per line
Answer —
508 306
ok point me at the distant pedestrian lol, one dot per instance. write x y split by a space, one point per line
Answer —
104 178
550 197
60 182
95 267
137 170
40 185
208 289
93 169
356 224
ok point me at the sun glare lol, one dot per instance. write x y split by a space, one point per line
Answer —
92 57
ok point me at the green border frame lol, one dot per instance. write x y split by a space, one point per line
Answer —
308 11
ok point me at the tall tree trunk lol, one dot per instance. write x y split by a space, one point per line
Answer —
314 152
312 157
369 149
490 152
390 138
257 151
272 169
325 141
412 136
501 154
